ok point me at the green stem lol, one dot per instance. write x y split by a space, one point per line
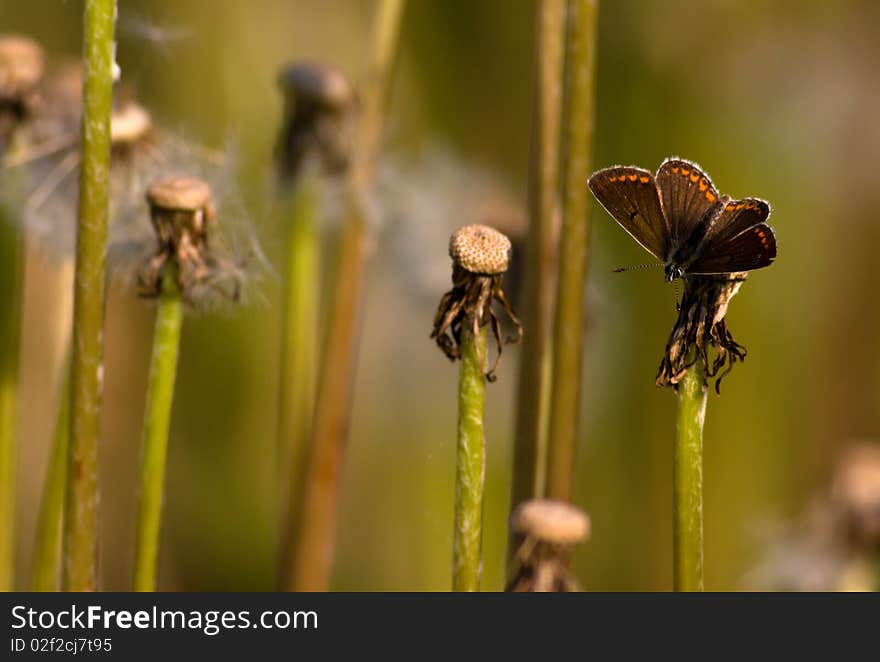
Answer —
157 422
688 482
87 368
11 282
298 347
577 136
470 464
316 532
47 543
533 397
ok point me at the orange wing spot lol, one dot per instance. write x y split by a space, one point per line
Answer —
703 185
731 207
633 178
694 178
644 180
710 196
738 207
675 170
685 172
622 178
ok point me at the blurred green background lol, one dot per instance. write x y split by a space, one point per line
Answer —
775 99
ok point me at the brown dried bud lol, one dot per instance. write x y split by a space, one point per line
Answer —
554 522
21 67
179 193
317 128
308 82
480 249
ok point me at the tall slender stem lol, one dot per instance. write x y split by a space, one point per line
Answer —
157 422
11 281
688 482
46 561
298 347
81 517
470 464
577 138
318 509
533 397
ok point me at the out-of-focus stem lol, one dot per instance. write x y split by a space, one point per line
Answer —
318 510
11 281
688 482
533 398
46 563
298 348
577 139
81 516
157 422
470 464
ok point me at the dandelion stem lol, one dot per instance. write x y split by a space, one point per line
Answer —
470 464
298 347
318 508
577 136
688 482
533 398
299 319
11 281
157 421
81 517
47 542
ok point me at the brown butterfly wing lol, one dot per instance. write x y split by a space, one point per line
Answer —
753 248
687 195
630 195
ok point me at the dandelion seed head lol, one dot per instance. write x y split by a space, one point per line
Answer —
129 123
179 193
21 67
551 521
480 249
855 493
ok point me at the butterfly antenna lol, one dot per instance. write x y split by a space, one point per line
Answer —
620 270
677 300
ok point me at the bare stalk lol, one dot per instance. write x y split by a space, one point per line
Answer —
533 398
157 422
11 280
319 505
577 138
46 557
81 517
470 464
688 481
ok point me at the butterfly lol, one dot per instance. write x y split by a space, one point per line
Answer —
680 218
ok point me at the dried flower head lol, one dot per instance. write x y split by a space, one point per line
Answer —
21 68
549 530
319 105
701 325
480 256
183 217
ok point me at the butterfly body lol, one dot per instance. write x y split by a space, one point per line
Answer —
680 218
